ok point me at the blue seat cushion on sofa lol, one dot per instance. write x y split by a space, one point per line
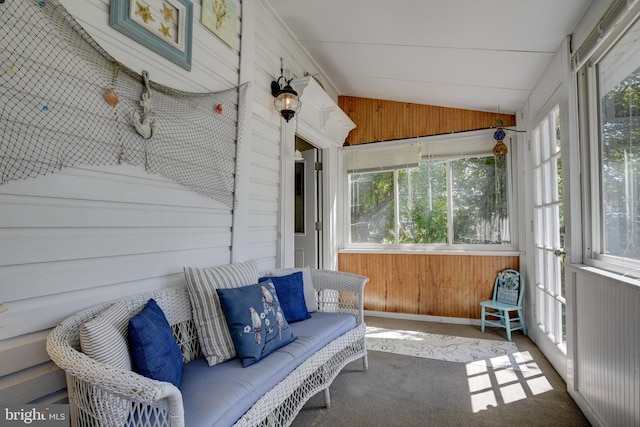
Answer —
313 333
221 394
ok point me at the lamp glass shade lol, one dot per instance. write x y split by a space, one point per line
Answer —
287 103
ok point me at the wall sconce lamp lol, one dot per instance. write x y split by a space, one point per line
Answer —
499 150
287 102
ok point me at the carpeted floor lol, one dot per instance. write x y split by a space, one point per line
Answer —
400 390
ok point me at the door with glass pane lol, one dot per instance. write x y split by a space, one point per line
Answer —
308 211
548 228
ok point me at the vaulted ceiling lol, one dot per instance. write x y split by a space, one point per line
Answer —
482 55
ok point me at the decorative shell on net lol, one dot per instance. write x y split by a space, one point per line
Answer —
111 97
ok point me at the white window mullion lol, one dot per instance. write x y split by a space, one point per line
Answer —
396 206
540 304
450 235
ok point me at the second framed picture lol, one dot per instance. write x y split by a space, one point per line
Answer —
220 17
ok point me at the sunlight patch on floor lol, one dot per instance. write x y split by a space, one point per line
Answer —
494 382
394 334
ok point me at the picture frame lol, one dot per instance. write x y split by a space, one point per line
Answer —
220 17
164 26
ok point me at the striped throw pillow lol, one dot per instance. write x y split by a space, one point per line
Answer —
213 332
104 338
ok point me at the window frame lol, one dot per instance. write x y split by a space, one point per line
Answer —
457 138
587 77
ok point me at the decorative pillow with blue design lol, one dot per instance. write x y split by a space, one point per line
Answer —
290 295
256 320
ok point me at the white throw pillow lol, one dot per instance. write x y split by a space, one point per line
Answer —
104 338
213 332
310 296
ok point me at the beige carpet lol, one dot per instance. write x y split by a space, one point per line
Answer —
405 391
491 353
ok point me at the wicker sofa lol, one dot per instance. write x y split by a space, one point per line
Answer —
100 394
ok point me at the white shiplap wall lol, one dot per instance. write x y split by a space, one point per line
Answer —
89 234
259 212
605 362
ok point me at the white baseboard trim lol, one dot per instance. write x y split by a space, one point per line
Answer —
423 317
586 409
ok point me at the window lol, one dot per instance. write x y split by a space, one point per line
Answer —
614 99
439 192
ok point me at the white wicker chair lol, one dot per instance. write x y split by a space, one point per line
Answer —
101 395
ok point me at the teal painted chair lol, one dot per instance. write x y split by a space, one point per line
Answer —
508 291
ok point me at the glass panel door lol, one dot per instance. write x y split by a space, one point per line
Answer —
548 227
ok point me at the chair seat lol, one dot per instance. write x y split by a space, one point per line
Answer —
497 305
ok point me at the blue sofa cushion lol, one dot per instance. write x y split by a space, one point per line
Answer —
255 319
291 296
221 394
313 334
154 351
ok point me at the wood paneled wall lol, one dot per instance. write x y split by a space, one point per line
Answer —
379 120
427 284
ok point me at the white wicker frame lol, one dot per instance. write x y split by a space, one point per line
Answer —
101 395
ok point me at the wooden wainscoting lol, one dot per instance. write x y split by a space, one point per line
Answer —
427 284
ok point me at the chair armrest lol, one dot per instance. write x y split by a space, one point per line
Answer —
103 390
340 292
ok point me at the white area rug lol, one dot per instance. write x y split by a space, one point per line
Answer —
490 353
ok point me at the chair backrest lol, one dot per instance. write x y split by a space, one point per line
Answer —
509 287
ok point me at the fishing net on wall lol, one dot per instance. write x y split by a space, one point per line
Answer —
65 102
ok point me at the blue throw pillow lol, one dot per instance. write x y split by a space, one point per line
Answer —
255 319
155 353
290 291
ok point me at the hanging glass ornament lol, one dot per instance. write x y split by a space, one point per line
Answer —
500 149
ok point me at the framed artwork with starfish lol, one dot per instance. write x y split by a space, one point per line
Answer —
164 26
